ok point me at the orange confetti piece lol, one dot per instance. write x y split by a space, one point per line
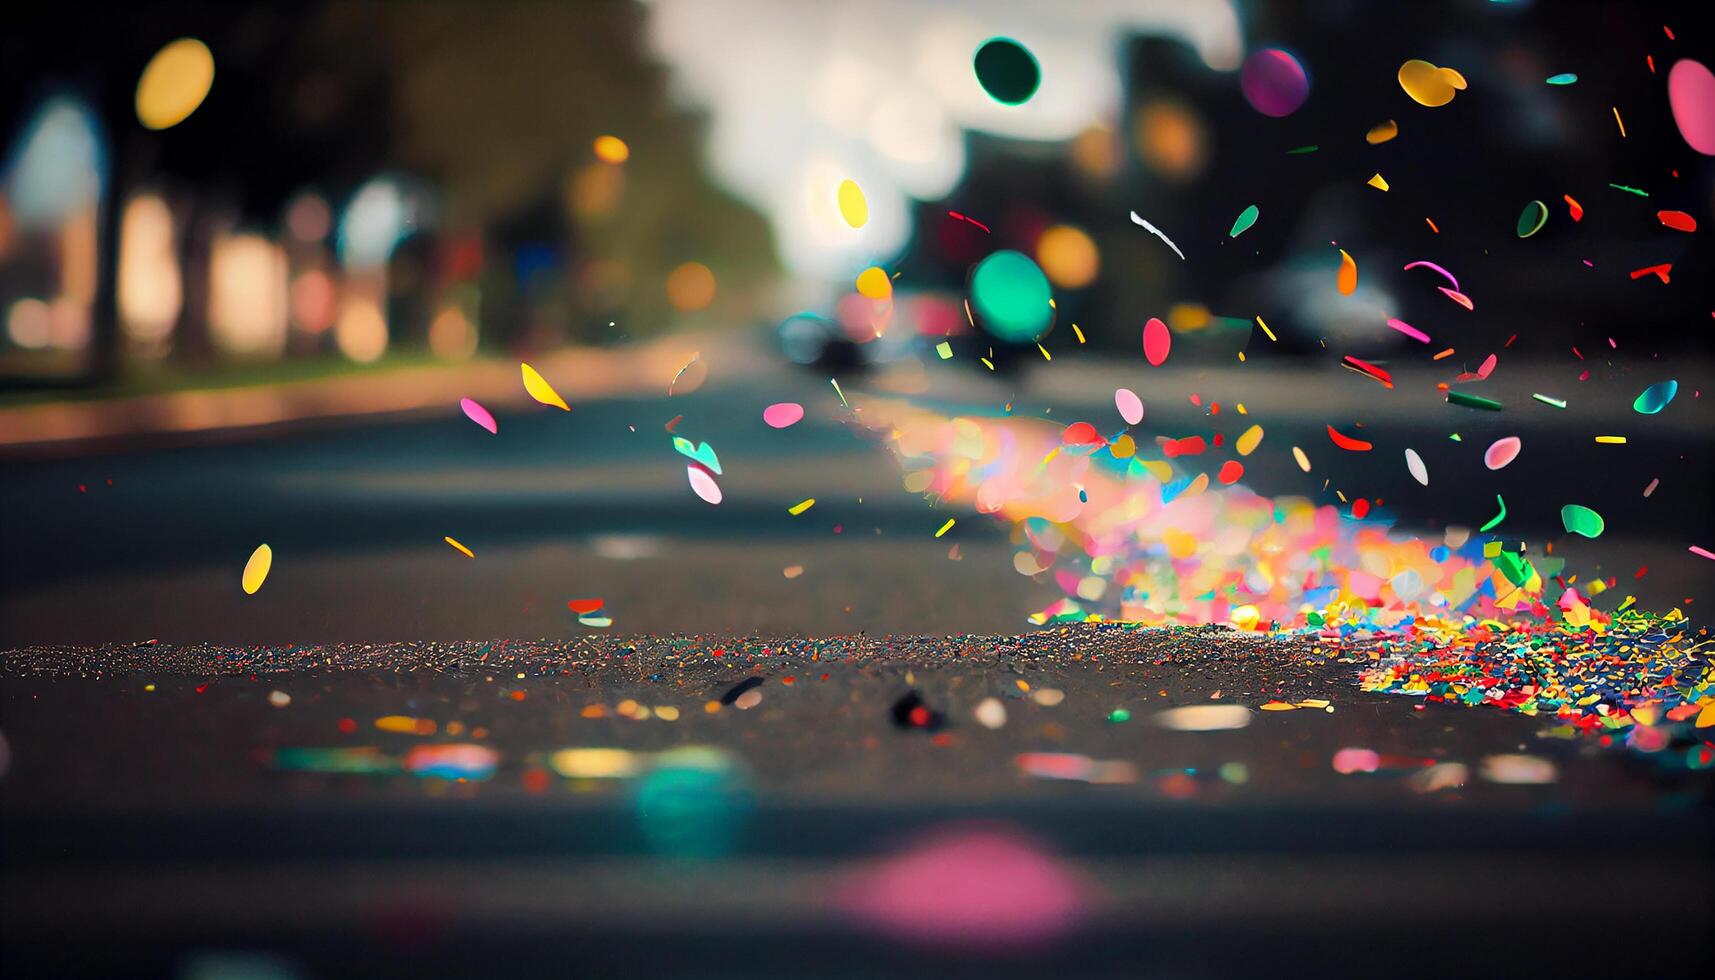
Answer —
1347 280
461 548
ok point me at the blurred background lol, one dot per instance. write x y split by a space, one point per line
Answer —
252 256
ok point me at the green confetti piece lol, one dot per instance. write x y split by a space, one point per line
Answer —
1579 519
1532 218
1556 402
1473 401
1242 223
944 349
1495 521
1629 190
1655 397
1564 78
1119 715
1312 148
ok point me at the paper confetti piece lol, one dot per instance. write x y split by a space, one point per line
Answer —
1531 219
1302 460
1473 401
1367 369
1495 521
1414 463
946 527
703 484
459 547
1136 220
1242 223
1501 452
1429 85
583 607
1677 220
854 207
1457 297
1579 519
1573 208
1408 330
1564 78
1347 279
801 506
1248 440
1656 397
1130 406
1378 182
476 413
874 284
541 390
1381 132
1611 440
781 415
1348 443
944 350
1156 342
1266 331
256 569
1547 400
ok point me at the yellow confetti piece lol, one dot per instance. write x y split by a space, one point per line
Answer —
1277 706
1378 182
802 506
256 569
1247 441
873 283
836 383
1620 122
405 725
467 552
854 207
1045 355
987 363
945 350
1266 330
1612 440
946 527
1080 333
541 390
1382 132
1303 460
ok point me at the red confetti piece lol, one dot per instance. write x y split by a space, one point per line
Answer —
1366 368
1659 271
1677 220
979 224
1188 446
1576 209
1230 472
584 607
1348 443
1360 507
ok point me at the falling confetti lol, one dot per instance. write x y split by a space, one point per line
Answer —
540 390
783 415
476 413
256 569
1139 221
1242 223
1414 463
1691 94
1130 406
1429 85
1502 452
1347 280
1656 397
461 549
1578 519
854 207
703 484
1156 342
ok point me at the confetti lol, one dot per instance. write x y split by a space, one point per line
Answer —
1429 85
1130 406
1656 397
801 506
1414 463
1347 279
1156 342
1381 132
1691 94
1242 223
874 284
1501 452
1546 400
1532 218
476 413
1473 401
583 607
854 208
1408 330
1348 443
1578 519
1496 520
1204 718
1677 220
703 484
1564 78
945 527
704 453
1378 182
1136 220
1266 331
459 547
540 390
1248 440
781 415
1302 460
256 568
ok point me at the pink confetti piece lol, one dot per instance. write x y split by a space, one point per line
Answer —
1130 406
1428 264
703 483
476 413
1408 330
1458 297
783 414
1702 552
1501 452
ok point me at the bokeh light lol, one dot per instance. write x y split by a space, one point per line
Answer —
452 337
1068 256
611 149
174 83
150 294
1010 296
1169 136
247 295
691 287
361 333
